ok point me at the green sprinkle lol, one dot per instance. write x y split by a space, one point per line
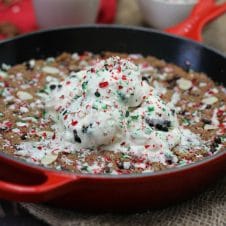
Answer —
182 163
127 114
186 121
150 109
1 92
85 168
104 106
134 117
148 131
76 97
43 113
121 96
223 138
1 114
128 123
124 156
44 90
84 85
95 106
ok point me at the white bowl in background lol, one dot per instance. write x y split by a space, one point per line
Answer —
55 13
162 14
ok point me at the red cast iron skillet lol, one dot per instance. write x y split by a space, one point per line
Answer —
20 181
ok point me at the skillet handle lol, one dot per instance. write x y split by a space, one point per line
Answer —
21 182
202 13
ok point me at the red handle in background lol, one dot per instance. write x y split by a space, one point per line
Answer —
203 12
21 182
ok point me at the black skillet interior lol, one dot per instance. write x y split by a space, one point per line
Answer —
98 38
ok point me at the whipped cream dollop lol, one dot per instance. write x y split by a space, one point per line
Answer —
108 107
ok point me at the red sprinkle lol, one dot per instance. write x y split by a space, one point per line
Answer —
44 134
119 69
58 109
54 136
220 113
124 77
8 124
65 117
108 159
147 146
144 65
68 83
120 87
222 125
103 84
6 84
74 122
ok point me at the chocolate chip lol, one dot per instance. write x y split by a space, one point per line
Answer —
28 65
162 125
3 129
85 128
173 111
206 121
107 169
146 78
52 87
64 112
24 136
76 137
59 86
215 144
106 66
169 161
120 165
97 94
182 112
75 70
172 82
217 140
212 149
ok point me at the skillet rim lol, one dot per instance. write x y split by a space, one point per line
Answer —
169 171
119 27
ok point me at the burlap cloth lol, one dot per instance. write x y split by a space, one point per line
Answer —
209 208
